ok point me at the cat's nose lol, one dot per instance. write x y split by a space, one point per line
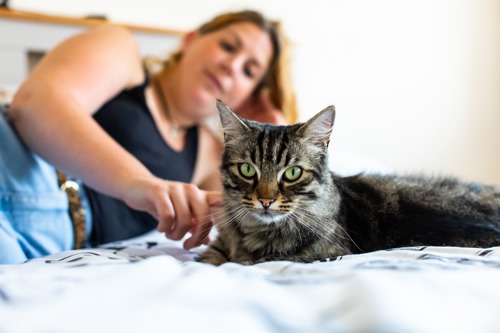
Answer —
266 202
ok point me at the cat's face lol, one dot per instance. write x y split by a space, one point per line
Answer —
271 172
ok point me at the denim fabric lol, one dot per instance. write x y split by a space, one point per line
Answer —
34 219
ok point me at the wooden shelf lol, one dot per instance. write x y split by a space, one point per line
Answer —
85 22
24 36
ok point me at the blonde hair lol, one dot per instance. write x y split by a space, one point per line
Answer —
277 82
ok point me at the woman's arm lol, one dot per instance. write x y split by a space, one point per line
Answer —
52 113
52 109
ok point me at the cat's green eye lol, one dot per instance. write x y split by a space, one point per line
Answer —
247 170
293 173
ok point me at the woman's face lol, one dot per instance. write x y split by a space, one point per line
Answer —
226 64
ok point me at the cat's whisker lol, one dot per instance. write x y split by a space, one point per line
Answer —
216 214
346 232
321 234
332 237
291 218
238 212
337 225
309 226
322 228
228 222
215 218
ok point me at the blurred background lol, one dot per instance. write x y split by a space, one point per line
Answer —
416 84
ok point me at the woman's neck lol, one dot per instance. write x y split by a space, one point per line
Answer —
172 104
173 134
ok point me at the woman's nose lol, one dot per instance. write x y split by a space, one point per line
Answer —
231 64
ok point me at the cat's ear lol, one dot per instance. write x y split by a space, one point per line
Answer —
231 122
319 128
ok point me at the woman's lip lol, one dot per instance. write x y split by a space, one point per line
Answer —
214 80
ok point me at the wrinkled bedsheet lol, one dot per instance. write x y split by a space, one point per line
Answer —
152 284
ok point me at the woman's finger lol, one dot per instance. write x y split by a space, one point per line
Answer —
199 234
214 198
165 212
202 219
181 197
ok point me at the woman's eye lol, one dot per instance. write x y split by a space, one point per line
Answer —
247 170
227 46
293 173
248 72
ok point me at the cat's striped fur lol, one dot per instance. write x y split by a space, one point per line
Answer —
270 215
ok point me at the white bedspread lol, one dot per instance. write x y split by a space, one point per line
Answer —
151 285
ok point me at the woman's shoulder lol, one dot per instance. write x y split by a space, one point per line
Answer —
90 67
115 49
117 36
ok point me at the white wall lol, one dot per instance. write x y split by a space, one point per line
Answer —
416 83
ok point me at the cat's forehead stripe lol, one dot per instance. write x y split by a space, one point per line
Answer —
283 148
271 146
260 145
253 156
267 140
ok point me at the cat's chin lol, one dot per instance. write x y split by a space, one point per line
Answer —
271 218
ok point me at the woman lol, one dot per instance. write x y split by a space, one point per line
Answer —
134 138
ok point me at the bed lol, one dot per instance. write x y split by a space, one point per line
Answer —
151 284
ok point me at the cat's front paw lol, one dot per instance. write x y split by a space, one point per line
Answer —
213 257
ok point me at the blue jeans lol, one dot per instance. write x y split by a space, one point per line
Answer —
34 219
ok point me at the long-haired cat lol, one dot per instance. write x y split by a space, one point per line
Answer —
283 203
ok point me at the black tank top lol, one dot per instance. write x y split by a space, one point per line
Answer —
128 120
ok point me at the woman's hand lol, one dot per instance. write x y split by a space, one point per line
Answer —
179 208
261 109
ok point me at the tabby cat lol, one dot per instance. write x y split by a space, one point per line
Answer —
283 203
